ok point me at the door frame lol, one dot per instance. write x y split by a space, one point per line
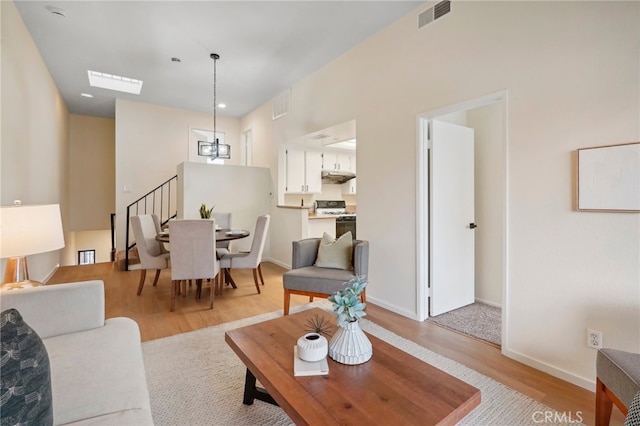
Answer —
423 208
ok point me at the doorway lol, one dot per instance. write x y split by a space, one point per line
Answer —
488 117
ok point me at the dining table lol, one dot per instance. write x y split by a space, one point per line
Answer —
223 234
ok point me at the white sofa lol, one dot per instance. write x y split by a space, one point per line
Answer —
97 370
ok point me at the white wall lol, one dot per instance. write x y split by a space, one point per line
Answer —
243 191
100 241
488 124
92 169
572 81
34 135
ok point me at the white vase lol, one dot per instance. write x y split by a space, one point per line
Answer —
312 347
349 345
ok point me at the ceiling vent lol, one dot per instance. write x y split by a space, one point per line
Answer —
434 13
281 104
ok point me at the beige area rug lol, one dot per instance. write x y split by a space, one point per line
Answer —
196 379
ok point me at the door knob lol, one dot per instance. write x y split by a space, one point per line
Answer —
472 225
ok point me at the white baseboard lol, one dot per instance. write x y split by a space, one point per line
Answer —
583 382
50 274
487 302
277 262
392 308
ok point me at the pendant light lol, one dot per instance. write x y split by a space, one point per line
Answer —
214 149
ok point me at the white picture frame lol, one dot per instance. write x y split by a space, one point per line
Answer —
609 178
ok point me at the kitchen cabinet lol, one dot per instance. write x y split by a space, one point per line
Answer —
349 187
319 226
303 171
333 160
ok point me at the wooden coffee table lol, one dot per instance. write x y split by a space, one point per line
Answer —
391 388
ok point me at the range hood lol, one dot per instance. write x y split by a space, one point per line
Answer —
336 176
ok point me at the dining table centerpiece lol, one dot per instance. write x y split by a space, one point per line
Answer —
349 345
205 213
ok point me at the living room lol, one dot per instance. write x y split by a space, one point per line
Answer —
572 82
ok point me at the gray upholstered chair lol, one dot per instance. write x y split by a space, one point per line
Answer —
308 280
253 258
193 243
151 253
618 382
223 221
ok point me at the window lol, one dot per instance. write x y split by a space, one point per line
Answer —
86 257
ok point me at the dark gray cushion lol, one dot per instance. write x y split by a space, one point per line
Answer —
25 389
620 372
315 279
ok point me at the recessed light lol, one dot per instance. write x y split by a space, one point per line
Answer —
86 95
56 11
222 105
114 82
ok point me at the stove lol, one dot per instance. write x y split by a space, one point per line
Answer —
334 208
344 221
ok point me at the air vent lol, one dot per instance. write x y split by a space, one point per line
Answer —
434 13
281 104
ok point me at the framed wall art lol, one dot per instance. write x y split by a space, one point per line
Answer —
609 178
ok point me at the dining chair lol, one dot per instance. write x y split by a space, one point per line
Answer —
193 255
223 221
253 258
150 251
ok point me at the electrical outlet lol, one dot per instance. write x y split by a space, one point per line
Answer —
594 339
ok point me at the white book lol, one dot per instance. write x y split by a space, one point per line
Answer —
304 368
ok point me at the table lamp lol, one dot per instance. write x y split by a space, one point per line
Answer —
27 230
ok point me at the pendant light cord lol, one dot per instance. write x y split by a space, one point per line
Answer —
215 58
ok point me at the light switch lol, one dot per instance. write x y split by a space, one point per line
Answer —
126 188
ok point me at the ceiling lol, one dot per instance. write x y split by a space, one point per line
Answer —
264 46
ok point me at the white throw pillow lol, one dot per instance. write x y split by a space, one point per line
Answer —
334 253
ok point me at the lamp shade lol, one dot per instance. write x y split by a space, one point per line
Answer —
26 230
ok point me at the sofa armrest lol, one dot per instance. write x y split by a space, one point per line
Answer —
56 309
361 258
304 252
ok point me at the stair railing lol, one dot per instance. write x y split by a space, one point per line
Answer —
113 237
159 198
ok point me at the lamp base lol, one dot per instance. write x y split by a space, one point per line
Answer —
16 275
19 285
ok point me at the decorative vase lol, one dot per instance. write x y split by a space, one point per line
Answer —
312 347
349 345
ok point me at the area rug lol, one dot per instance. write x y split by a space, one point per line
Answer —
478 320
196 379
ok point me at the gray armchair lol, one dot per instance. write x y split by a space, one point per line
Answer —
617 382
308 280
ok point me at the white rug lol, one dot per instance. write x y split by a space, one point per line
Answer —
196 379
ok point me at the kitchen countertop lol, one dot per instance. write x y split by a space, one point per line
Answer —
282 206
322 216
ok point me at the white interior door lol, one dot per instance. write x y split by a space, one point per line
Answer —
451 189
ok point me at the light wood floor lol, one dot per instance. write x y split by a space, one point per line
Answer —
151 311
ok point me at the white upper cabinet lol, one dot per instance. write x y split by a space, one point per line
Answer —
336 160
303 170
349 187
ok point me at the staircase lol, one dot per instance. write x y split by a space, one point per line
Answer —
160 201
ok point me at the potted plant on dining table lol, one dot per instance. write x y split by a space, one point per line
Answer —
205 213
349 345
